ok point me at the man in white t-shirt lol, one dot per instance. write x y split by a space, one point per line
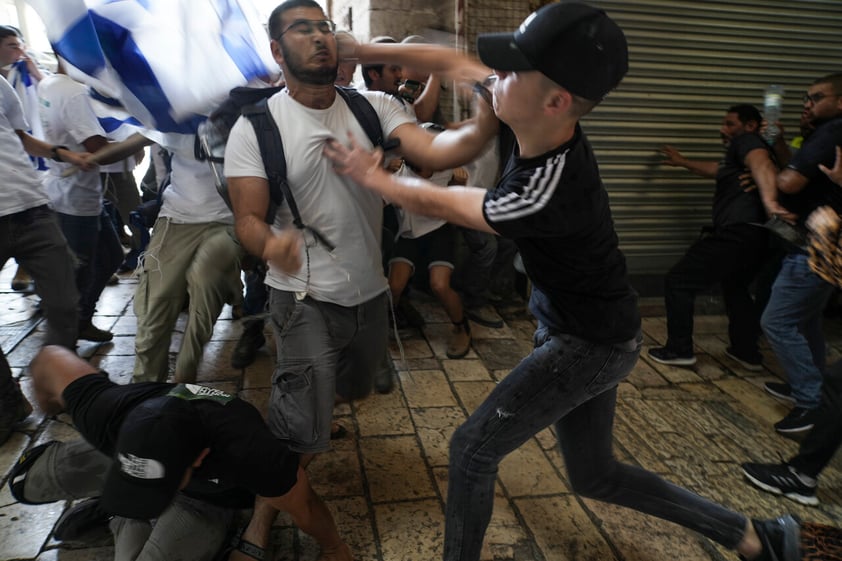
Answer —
193 253
328 306
29 232
69 120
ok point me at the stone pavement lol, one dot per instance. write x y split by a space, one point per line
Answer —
385 482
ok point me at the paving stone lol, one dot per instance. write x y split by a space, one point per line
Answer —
409 531
25 529
381 415
503 353
385 461
472 394
356 526
427 388
464 370
627 529
527 472
412 348
562 529
434 427
337 473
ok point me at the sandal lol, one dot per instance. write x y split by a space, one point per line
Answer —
17 479
237 543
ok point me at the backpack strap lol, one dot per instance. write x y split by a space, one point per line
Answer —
274 160
364 113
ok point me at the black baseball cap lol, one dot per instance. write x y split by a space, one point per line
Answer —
575 45
158 441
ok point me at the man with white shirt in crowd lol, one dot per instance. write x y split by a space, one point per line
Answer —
69 120
30 233
192 255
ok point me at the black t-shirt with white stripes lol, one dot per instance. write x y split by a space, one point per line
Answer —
555 208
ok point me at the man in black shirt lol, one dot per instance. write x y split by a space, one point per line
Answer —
564 59
792 320
736 249
166 438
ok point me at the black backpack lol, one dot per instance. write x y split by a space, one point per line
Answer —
252 104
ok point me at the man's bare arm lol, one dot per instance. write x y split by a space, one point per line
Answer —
430 59
764 173
250 201
790 181
40 149
451 148
673 157
457 205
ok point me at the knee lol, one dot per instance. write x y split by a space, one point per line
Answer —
598 484
467 452
440 284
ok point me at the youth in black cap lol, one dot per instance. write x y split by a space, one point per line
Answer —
158 442
576 46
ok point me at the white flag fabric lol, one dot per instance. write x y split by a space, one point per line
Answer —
168 62
25 86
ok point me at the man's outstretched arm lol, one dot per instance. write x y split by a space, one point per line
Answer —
457 205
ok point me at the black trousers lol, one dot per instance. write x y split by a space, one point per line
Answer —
822 442
731 255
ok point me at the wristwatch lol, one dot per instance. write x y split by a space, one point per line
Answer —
54 152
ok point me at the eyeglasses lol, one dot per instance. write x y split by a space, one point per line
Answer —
817 97
309 26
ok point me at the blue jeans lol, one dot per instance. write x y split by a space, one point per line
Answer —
792 323
96 245
571 383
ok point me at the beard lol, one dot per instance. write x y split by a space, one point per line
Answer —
318 77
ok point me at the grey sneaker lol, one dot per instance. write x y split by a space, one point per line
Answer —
781 479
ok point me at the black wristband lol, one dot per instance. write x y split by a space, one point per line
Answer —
54 153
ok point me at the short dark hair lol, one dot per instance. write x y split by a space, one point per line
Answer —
376 67
834 79
746 113
275 18
9 31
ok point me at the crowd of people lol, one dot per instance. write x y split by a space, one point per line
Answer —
163 448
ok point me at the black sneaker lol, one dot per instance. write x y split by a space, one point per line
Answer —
246 349
781 390
781 479
80 519
780 538
798 420
754 363
665 355
90 332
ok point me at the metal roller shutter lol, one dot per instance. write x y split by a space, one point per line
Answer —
689 61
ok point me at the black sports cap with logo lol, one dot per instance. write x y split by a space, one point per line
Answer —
575 45
158 441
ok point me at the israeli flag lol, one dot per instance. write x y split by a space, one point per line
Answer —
167 62
25 86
